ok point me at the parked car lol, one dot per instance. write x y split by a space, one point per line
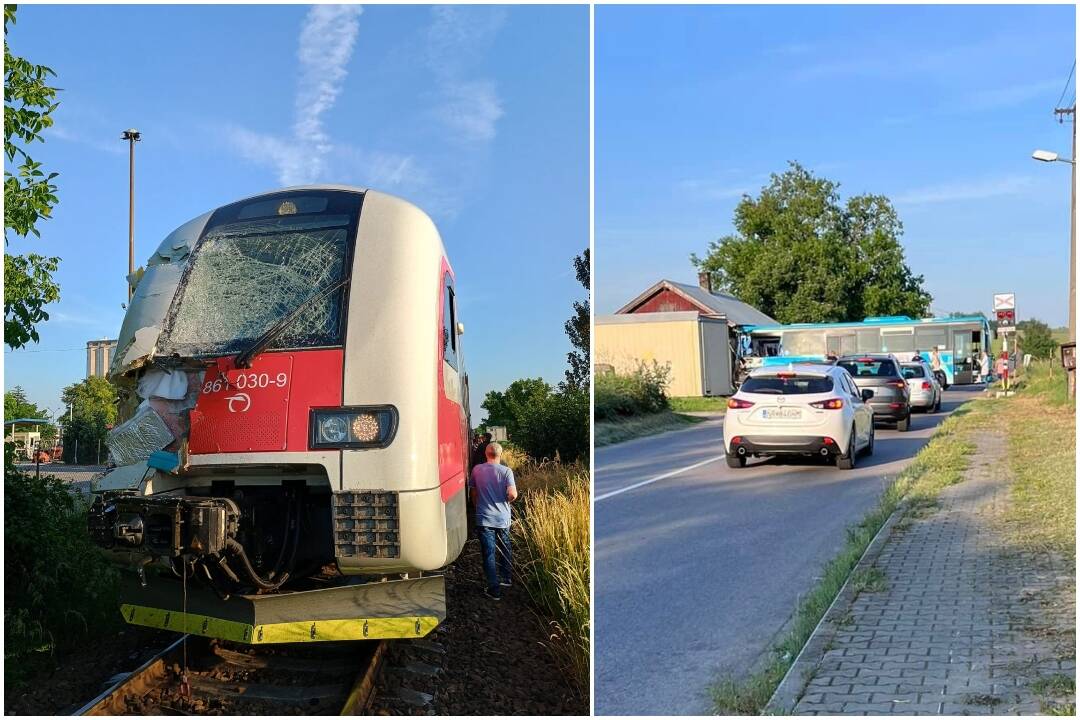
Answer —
880 373
923 388
804 409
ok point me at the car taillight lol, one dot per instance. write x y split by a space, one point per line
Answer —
898 384
830 404
925 385
737 404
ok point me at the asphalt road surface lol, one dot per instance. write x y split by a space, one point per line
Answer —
698 566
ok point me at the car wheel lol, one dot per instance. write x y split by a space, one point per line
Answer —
847 460
904 424
937 404
736 461
870 445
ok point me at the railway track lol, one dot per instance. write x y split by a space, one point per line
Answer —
232 679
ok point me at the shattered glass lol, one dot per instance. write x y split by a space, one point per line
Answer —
247 275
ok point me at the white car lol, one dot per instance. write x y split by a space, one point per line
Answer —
799 410
923 387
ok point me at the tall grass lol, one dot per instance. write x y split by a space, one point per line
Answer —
554 530
1040 421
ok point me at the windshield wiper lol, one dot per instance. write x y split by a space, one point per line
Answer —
245 358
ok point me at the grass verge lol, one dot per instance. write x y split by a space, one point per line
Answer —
609 432
940 464
554 530
699 404
1042 456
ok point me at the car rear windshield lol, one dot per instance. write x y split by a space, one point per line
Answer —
256 263
787 384
913 371
870 367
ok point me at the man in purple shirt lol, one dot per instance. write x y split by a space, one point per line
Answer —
493 489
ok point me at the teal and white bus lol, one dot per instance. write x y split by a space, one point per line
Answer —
958 340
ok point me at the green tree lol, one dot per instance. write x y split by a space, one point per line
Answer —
16 405
577 329
29 193
508 408
557 426
93 413
1036 339
799 254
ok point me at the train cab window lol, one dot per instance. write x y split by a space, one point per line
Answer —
449 312
260 261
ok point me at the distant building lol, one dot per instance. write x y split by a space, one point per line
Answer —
99 355
688 328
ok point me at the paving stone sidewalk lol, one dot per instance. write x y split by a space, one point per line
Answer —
965 623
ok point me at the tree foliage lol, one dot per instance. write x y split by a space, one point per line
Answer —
1036 339
93 413
799 254
577 329
16 405
545 422
60 590
29 193
509 407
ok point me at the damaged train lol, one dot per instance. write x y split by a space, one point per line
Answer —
294 458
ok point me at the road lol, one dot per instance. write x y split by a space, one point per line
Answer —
77 476
697 572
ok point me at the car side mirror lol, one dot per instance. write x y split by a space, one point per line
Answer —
866 394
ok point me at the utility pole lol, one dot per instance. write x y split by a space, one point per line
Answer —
132 136
1061 113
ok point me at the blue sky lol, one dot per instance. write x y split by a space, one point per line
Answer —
937 107
479 115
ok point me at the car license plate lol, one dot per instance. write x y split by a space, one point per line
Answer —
785 413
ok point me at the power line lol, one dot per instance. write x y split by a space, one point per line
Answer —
21 351
1067 81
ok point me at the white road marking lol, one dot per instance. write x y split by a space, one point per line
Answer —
650 481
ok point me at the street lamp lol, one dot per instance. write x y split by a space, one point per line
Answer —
1047 156
132 136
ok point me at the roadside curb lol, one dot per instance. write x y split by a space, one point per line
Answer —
787 693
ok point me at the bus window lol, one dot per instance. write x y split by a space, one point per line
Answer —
868 340
928 338
897 341
804 342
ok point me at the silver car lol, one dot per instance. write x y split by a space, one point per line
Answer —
923 387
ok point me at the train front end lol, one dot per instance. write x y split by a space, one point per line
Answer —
293 463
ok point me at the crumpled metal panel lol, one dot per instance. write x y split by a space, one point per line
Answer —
136 439
153 296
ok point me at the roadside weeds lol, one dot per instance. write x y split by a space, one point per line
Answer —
610 432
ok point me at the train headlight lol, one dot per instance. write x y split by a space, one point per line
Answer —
353 427
333 429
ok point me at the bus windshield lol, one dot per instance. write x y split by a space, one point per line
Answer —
246 274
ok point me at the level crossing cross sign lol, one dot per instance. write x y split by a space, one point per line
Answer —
1004 301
